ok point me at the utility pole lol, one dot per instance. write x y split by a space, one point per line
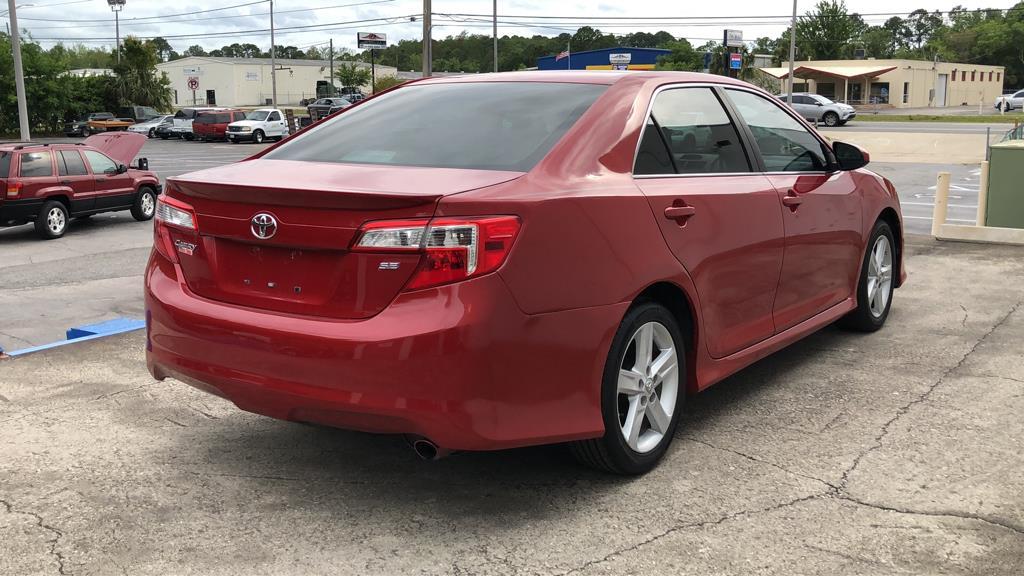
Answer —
332 66
19 75
495 35
116 6
427 48
792 56
273 59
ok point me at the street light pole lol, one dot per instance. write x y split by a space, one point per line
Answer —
19 76
273 58
427 48
116 6
792 56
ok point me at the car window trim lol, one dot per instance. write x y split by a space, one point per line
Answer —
830 155
726 107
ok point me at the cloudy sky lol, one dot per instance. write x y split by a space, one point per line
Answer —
302 23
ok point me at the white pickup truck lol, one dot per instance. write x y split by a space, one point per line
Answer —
1008 102
258 126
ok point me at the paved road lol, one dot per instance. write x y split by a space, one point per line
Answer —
916 186
916 127
897 452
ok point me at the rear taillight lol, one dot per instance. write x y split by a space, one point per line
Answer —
454 249
14 189
171 213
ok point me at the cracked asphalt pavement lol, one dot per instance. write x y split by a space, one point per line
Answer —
898 452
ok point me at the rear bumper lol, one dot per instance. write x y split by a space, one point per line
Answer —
460 364
19 211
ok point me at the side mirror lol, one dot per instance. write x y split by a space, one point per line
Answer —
850 157
121 168
143 164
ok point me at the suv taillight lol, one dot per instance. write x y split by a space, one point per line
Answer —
14 189
172 213
454 249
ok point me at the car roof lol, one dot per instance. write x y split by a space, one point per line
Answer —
584 77
12 146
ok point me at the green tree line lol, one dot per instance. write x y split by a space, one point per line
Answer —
54 96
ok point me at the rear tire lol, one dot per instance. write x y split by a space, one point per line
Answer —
877 282
831 119
145 204
152 133
639 388
52 221
86 132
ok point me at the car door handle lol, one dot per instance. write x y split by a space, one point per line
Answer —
792 200
65 182
680 213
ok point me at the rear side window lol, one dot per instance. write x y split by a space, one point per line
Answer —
693 125
36 164
70 163
99 163
5 164
483 126
785 144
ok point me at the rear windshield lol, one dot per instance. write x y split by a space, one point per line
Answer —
5 164
218 118
484 126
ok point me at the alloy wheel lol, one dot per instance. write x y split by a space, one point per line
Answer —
648 385
147 204
879 276
56 221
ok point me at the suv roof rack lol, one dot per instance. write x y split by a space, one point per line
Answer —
27 144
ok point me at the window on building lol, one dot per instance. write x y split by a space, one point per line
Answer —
827 89
989 75
906 92
953 77
972 75
999 76
175 96
963 76
879 93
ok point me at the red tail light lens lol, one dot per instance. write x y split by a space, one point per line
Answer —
171 213
454 249
14 189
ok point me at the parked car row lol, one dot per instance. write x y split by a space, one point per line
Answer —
96 122
227 124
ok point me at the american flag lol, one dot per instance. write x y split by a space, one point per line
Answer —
562 54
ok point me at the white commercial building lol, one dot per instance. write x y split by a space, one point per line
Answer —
212 81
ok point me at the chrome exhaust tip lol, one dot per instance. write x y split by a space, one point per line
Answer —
426 449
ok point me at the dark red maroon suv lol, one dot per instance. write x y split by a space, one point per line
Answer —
213 124
50 183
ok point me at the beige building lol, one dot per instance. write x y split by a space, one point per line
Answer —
895 83
210 81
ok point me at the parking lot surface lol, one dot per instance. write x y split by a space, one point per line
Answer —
891 453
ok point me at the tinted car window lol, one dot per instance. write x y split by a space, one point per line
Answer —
785 145
485 125
99 163
34 164
70 163
5 164
698 132
652 155
274 117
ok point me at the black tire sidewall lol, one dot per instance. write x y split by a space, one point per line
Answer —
258 137
625 458
863 306
41 225
137 212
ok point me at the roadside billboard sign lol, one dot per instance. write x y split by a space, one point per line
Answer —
734 38
371 40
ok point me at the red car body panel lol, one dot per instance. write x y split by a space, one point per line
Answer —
215 130
514 357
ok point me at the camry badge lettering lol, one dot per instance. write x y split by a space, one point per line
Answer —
263 226
186 248
388 266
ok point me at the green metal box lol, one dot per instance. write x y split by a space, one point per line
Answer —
1006 185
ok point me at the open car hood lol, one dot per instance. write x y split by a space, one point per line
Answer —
120 146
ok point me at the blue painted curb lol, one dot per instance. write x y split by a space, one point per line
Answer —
85 333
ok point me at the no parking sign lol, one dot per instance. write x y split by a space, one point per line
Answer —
193 83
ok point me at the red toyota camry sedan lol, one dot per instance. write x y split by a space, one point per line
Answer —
514 259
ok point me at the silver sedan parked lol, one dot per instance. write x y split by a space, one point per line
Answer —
815 107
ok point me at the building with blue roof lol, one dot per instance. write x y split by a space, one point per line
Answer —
620 58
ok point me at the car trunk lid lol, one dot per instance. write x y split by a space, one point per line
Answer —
304 265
